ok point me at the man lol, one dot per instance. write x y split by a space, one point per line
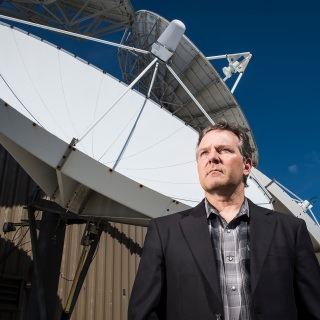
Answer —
226 258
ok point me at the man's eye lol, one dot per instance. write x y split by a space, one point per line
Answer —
225 150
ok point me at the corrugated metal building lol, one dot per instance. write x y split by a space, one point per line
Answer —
106 289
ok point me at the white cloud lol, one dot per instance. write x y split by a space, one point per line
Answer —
293 168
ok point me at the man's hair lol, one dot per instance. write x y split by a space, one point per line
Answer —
244 142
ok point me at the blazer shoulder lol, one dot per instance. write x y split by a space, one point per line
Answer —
199 209
273 214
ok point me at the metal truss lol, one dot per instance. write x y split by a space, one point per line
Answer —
89 17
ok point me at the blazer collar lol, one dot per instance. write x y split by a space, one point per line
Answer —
195 228
261 234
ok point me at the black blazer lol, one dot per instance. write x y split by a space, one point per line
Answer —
177 277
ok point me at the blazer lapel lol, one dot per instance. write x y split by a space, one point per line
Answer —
261 233
195 228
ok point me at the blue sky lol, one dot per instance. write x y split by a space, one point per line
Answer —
279 90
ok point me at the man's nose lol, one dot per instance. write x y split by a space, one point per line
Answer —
214 156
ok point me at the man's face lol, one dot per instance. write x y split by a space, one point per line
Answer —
220 164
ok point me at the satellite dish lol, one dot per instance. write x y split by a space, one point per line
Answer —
67 118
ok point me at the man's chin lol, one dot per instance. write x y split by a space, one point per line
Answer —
218 187
215 187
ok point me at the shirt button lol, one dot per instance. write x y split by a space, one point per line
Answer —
228 230
230 258
233 288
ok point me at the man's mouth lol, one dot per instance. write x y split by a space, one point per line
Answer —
214 171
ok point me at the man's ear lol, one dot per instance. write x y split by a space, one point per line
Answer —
247 166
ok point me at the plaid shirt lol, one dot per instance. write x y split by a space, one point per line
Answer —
231 247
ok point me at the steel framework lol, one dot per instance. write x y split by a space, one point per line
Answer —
89 17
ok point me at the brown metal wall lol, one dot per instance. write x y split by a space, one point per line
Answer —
15 255
106 290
